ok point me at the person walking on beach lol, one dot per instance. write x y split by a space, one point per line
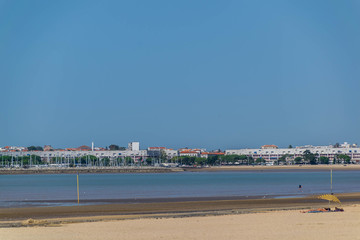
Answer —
300 187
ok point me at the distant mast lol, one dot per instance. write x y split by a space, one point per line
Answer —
92 146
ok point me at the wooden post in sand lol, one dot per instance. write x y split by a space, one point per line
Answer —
77 180
331 181
330 185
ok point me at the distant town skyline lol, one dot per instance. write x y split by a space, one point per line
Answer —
344 153
92 145
214 74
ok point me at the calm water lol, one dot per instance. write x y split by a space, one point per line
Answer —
21 190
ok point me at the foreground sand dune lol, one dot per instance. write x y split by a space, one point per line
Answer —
290 224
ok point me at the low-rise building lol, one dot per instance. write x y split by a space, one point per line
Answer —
157 152
48 148
209 154
269 147
13 149
190 152
134 146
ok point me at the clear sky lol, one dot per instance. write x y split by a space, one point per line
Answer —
213 74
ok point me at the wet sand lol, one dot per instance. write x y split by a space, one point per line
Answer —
192 207
193 219
271 225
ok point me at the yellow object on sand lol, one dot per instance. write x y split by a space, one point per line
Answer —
329 197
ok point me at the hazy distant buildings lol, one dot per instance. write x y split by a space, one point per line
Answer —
48 148
81 148
134 146
210 154
269 147
271 153
190 152
161 152
13 149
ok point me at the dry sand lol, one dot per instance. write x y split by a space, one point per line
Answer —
290 224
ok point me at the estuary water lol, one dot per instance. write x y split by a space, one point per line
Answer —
60 189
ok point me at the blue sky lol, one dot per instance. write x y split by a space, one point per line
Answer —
213 74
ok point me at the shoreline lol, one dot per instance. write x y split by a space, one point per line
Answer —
92 202
272 224
277 168
241 168
14 217
87 170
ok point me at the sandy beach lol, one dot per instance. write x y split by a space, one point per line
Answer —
261 225
212 219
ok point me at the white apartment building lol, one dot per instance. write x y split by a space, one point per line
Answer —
190 152
273 154
12 149
47 155
134 146
155 152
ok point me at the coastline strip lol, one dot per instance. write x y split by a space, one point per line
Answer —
101 170
170 209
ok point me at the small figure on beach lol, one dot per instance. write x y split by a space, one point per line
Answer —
319 210
338 209
300 187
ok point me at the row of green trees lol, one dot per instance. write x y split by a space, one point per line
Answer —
35 148
313 159
306 158
214 160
